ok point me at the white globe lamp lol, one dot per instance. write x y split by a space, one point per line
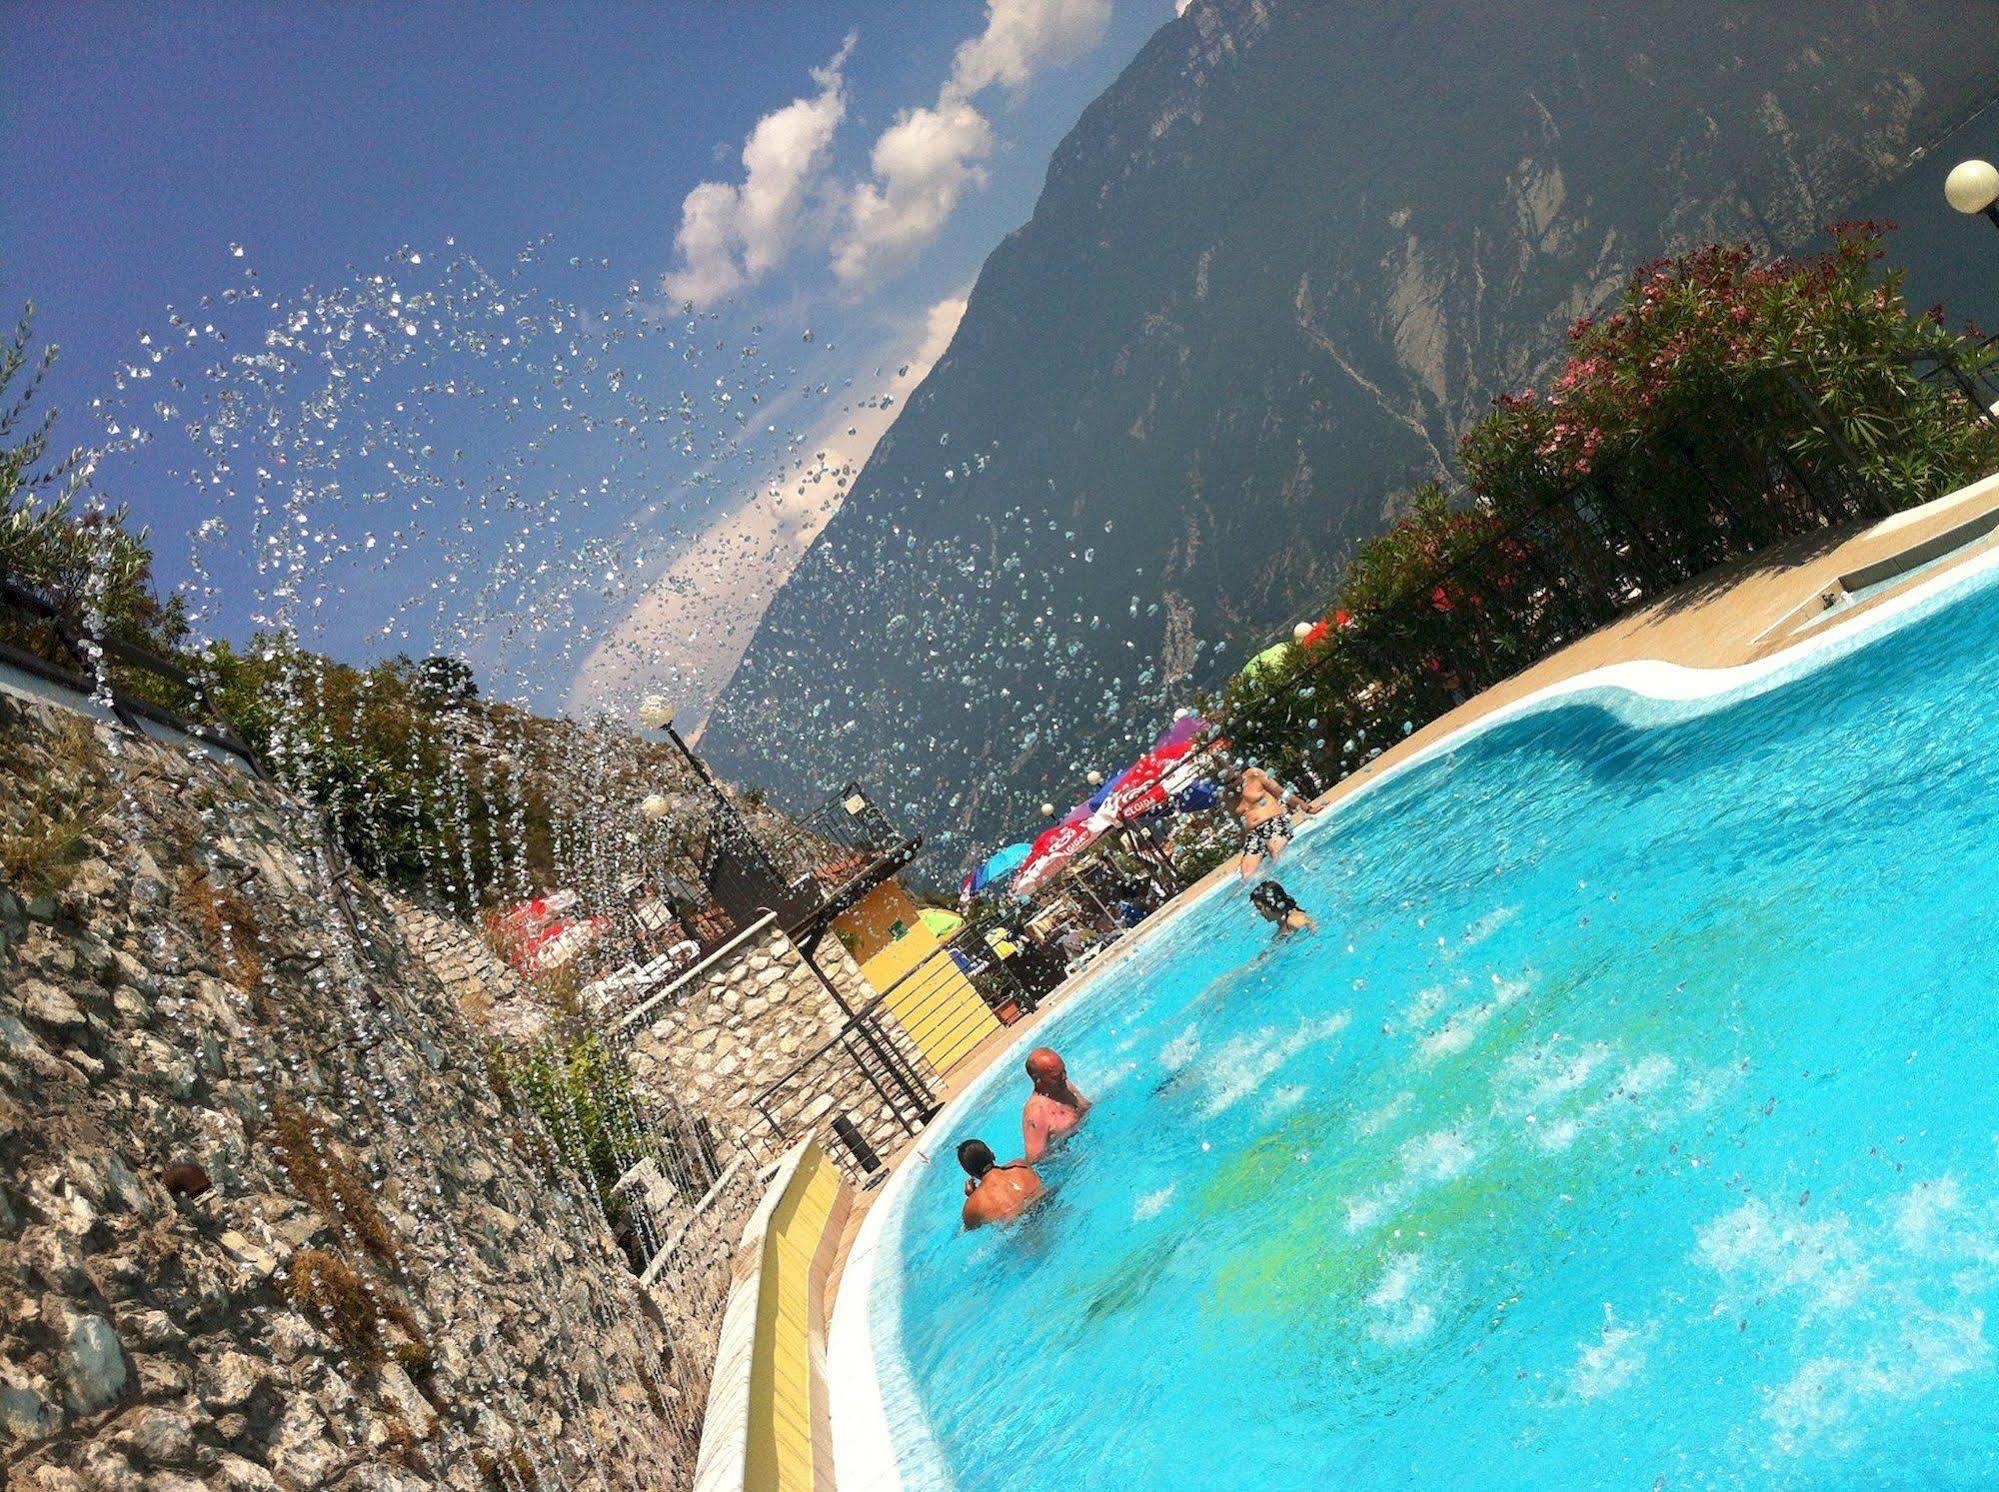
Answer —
656 806
1973 187
656 713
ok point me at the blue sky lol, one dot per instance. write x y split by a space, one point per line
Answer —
338 145
145 141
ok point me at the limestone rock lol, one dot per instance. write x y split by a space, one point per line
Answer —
93 1363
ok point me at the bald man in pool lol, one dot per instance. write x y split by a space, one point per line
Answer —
1053 1109
995 1193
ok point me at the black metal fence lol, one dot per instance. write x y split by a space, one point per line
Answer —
868 1082
136 684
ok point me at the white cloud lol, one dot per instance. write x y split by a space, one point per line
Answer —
919 169
1024 36
685 637
732 236
925 162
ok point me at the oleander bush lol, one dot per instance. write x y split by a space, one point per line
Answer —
1722 405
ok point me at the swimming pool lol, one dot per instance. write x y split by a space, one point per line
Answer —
1634 1122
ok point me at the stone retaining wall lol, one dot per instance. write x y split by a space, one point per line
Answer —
487 989
265 1221
743 1019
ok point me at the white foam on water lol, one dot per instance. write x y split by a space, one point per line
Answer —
1400 1303
1423 1006
1242 1065
1285 1099
1611 1361
1152 1204
1647 1076
1545 1075
1110 1081
1181 1050
1766 1252
1819 1405
1559 1135
1364 1212
1927 1211
1887 1310
1443 1155
1463 1028
1376 1120
1489 924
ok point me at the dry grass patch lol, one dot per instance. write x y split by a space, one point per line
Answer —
327 1183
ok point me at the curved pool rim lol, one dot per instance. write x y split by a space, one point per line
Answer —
1641 692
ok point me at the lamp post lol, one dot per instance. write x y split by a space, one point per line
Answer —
657 714
1973 187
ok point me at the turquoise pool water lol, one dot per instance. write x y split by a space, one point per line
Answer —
1634 1122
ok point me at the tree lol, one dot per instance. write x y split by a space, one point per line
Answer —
94 565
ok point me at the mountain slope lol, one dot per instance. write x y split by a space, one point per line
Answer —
1275 269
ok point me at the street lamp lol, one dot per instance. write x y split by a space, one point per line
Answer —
657 714
1094 777
1973 187
1302 631
1048 810
656 806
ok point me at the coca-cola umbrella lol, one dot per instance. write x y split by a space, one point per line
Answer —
1098 797
1056 847
1156 776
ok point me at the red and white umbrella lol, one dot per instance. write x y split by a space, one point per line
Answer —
1160 773
1054 850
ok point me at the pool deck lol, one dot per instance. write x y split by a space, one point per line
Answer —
1739 613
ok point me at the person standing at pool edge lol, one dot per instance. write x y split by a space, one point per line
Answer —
1265 806
1054 1108
995 1193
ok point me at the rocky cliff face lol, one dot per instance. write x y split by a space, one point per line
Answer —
265 1220
1275 270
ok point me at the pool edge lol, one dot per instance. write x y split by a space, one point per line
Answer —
866 1457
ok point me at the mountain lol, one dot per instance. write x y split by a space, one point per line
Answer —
1275 270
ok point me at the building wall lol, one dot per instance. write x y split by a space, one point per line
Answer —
870 923
929 996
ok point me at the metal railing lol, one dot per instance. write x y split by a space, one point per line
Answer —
837 842
69 639
867 1072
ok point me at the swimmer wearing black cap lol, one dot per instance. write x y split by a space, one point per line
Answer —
1275 905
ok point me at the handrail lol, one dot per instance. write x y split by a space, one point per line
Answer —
130 709
859 1022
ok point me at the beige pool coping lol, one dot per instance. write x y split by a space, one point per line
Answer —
1736 614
